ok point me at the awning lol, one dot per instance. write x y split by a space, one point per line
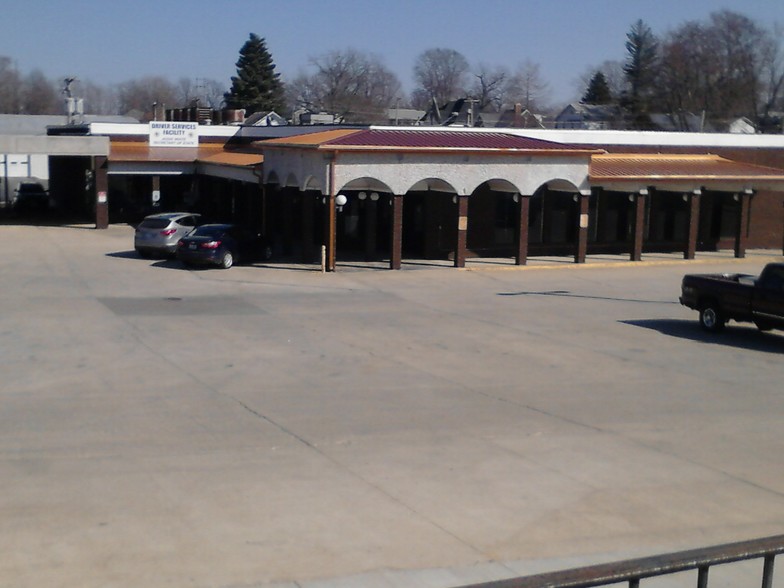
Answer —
129 157
678 172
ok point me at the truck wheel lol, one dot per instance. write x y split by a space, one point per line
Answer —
711 318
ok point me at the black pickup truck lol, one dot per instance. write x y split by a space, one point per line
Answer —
740 297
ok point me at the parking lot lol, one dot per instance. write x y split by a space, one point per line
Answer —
275 426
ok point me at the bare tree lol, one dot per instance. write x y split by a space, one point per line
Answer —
97 99
354 86
10 87
39 95
440 74
141 94
212 93
725 68
488 87
527 87
772 68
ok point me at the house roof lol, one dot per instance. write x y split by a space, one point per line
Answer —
676 168
383 139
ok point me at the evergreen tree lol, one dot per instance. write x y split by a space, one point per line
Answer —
598 91
256 87
641 71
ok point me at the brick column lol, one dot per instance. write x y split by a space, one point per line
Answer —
522 229
744 199
638 232
330 232
462 231
101 187
582 228
693 200
396 254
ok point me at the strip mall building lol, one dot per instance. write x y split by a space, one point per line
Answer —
415 193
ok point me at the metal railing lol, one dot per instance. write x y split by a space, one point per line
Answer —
634 570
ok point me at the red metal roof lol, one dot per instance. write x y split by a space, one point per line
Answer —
444 139
424 140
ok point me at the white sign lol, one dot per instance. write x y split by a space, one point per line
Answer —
174 134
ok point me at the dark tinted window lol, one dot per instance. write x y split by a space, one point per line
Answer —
187 221
208 231
155 223
30 189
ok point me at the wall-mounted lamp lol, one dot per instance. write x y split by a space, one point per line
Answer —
362 195
374 196
340 201
516 197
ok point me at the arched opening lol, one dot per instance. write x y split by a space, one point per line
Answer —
493 224
364 222
430 220
553 219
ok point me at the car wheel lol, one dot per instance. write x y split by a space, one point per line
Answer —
763 326
227 260
143 254
711 318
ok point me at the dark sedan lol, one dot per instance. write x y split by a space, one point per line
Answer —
222 246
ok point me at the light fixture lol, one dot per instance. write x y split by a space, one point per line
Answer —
362 195
374 196
340 201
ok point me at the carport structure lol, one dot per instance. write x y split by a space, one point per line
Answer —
680 198
478 193
367 175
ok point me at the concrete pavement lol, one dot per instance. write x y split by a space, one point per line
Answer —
273 426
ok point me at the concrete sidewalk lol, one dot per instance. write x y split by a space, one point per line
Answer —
273 426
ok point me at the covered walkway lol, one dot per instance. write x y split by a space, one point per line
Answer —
454 195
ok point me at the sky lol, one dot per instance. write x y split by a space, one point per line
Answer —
108 42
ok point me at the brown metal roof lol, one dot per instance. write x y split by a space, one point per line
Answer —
661 167
425 140
308 139
137 151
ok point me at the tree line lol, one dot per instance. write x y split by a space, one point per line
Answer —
725 67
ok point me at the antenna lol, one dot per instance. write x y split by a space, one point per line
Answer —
73 106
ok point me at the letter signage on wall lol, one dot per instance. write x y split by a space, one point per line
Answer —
174 134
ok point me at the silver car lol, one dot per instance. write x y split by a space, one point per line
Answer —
158 234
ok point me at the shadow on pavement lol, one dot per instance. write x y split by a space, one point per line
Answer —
739 336
124 254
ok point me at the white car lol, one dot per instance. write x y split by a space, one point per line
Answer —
158 234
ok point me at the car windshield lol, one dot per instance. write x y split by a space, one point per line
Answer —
30 188
155 223
208 231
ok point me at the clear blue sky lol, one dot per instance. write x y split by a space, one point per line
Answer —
108 42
